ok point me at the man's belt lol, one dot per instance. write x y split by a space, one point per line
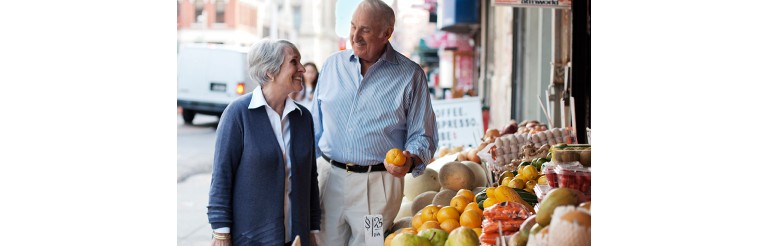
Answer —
355 168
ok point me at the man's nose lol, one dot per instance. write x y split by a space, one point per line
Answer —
355 34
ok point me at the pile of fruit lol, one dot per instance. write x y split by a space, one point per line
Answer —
563 218
438 222
459 237
459 205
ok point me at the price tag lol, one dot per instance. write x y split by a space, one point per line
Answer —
374 230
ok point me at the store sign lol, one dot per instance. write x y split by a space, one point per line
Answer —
535 3
464 68
459 121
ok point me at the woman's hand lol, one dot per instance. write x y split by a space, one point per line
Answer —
221 239
312 239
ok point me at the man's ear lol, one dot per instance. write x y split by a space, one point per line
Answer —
388 32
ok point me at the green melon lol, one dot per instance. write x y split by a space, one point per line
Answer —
427 181
405 210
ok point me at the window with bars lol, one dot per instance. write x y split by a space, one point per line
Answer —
220 7
199 7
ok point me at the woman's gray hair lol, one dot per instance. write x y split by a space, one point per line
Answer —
381 9
265 58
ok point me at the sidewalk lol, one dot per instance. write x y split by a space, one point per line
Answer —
192 228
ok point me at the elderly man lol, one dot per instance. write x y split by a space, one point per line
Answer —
367 101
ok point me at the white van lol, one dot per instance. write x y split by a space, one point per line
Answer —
209 77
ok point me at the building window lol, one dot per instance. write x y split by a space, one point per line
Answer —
220 7
199 7
296 17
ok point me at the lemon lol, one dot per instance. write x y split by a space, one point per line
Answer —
517 183
542 180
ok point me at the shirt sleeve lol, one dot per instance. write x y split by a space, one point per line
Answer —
422 133
221 230
317 115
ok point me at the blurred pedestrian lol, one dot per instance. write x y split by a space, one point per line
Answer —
305 96
368 100
264 186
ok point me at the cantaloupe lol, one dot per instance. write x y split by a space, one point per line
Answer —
422 201
427 181
444 197
456 176
405 210
479 173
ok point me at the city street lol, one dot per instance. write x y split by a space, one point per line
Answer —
195 145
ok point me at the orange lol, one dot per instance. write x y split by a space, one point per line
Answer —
471 219
459 202
416 220
388 240
429 213
446 213
409 230
449 224
396 157
466 194
429 224
473 206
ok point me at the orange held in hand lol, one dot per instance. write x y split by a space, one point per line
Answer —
396 157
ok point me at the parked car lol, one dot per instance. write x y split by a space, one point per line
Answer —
209 77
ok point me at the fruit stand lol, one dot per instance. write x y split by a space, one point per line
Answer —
528 186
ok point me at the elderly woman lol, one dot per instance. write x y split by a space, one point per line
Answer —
264 186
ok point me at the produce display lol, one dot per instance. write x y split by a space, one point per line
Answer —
523 185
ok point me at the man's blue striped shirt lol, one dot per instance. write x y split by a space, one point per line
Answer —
358 119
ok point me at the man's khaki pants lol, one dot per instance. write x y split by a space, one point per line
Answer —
347 197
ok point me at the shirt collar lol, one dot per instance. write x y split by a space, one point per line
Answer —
258 100
389 54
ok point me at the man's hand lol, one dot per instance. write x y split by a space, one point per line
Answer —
401 170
